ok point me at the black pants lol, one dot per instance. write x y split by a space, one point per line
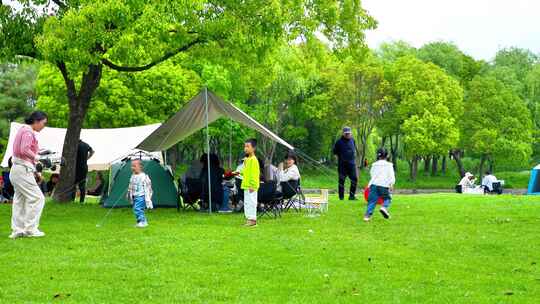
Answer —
347 170
80 181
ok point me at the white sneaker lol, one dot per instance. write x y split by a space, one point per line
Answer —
36 233
367 218
384 213
15 235
141 225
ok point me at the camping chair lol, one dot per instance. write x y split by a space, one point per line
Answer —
237 195
190 193
292 195
269 199
317 204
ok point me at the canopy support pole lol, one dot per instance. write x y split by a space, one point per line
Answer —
208 151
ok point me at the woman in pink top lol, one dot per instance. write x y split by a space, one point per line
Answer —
28 200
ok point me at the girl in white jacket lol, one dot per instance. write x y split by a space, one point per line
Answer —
382 180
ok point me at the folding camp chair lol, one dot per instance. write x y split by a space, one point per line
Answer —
317 204
292 196
190 193
269 199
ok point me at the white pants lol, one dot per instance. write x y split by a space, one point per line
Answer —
28 200
250 205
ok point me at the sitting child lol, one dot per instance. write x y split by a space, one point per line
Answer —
139 192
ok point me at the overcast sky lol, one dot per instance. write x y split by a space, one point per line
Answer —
478 27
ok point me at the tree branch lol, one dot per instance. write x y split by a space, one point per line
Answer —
60 4
148 66
70 84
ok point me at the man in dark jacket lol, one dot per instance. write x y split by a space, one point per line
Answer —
84 152
345 150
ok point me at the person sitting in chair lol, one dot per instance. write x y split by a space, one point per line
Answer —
216 182
467 182
97 189
488 180
288 170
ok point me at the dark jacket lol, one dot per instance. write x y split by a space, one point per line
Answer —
345 149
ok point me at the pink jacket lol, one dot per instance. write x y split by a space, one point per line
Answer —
25 146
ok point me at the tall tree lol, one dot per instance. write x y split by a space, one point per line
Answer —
497 124
80 37
361 95
429 104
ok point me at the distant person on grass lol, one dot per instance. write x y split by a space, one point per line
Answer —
381 182
140 192
345 150
467 182
488 180
251 174
28 200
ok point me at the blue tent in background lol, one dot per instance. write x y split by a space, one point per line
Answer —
534 181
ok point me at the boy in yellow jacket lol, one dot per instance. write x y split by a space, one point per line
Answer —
250 182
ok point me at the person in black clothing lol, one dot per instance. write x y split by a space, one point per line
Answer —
345 150
216 182
84 152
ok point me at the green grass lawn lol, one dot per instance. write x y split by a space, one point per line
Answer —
442 248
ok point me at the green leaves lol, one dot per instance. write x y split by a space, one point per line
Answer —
496 122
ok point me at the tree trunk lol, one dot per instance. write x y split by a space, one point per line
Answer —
394 150
414 168
427 163
78 107
456 154
443 165
434 165
481 167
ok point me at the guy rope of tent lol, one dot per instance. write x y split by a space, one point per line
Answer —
201 111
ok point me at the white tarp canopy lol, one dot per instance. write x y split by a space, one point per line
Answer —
192 117
109 144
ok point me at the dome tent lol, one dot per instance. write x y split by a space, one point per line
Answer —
165 193
534 181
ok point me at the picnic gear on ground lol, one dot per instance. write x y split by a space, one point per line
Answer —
165 193
28 200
